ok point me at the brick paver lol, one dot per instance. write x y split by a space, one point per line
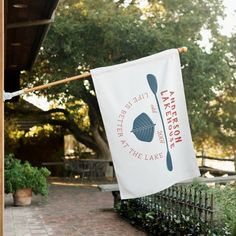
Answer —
68 210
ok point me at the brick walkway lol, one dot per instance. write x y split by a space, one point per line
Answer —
68 210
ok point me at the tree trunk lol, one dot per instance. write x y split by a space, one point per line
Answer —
104 151
235 161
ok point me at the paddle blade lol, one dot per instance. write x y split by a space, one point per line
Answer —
169 161
143 128
152 82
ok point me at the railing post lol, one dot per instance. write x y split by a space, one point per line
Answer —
211 209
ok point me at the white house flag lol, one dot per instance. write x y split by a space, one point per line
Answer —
144 112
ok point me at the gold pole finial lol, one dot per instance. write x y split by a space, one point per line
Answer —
182 50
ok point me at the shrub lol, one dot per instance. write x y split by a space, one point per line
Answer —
23 175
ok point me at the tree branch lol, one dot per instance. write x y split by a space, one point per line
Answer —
69 124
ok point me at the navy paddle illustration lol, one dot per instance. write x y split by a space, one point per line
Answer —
153 86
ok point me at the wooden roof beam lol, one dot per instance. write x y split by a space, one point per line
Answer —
30 23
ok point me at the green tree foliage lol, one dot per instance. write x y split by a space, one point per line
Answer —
87 34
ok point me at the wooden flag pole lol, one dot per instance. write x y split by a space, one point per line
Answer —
77 77
82 76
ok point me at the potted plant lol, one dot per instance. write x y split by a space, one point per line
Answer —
21 179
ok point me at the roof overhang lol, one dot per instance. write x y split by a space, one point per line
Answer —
27 23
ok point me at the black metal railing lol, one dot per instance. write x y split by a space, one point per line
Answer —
179 209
